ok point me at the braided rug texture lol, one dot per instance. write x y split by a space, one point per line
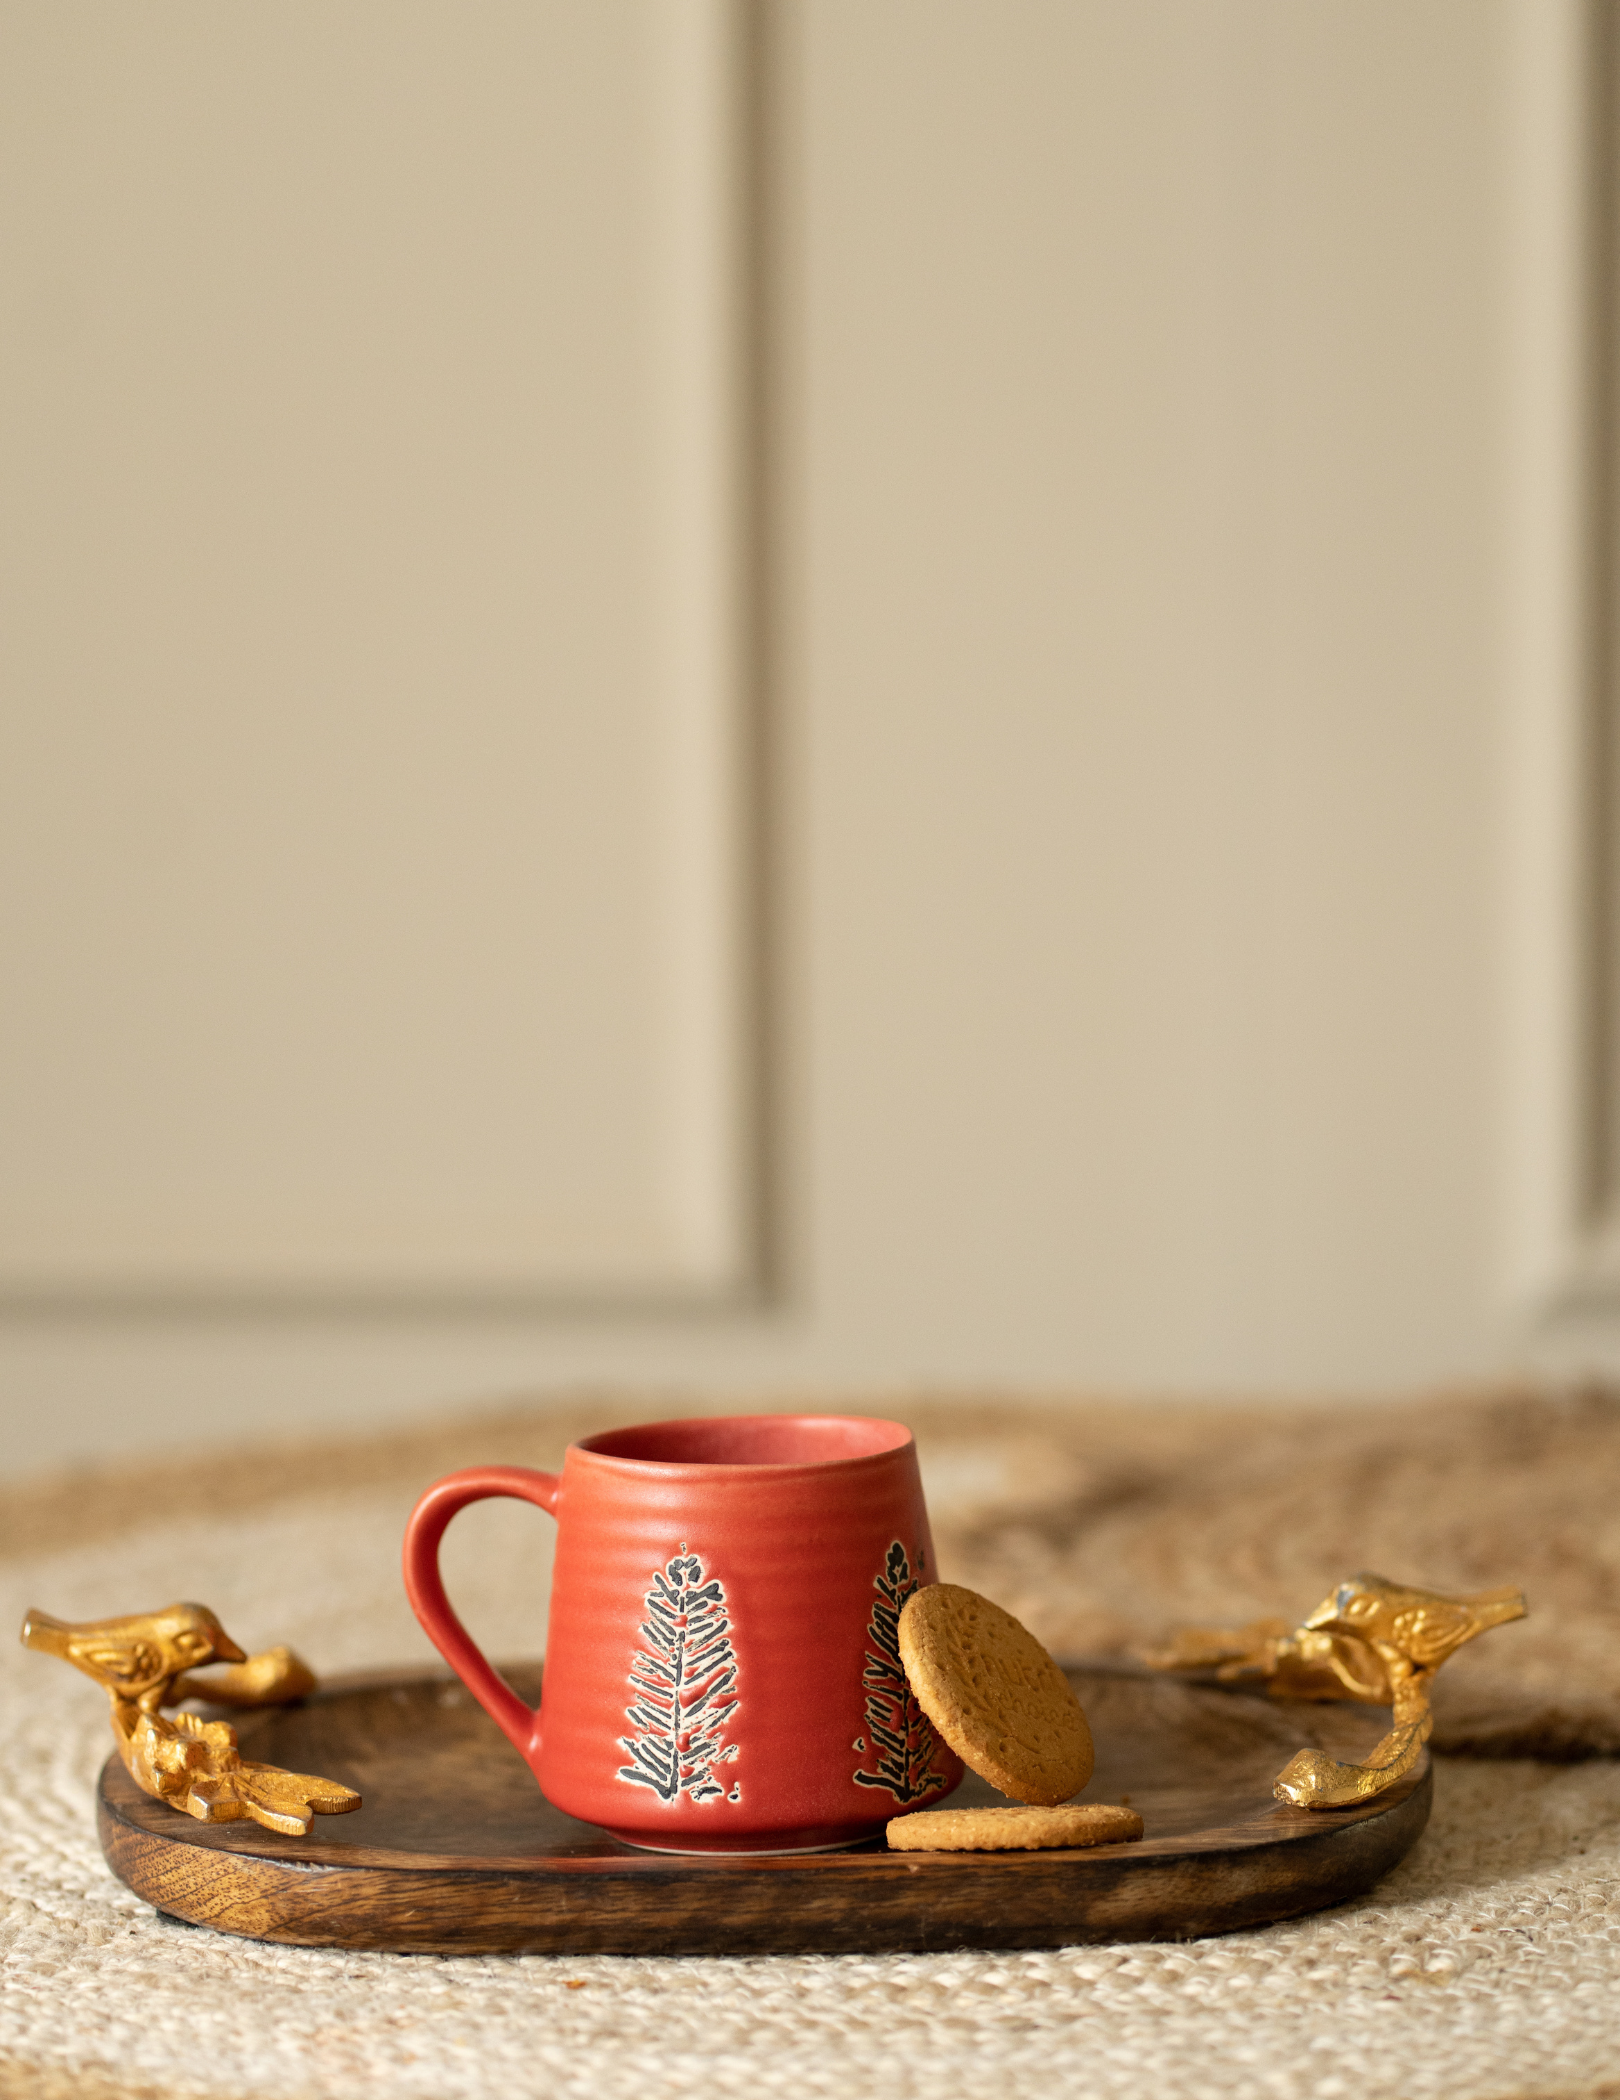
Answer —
1486 1967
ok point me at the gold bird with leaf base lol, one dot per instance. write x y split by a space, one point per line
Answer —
144 1663
1371 1640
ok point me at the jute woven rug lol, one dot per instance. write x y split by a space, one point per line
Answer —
1487 1967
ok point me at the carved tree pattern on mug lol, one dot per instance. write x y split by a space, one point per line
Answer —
902 1738
685 1682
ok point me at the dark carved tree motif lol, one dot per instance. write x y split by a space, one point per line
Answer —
902 1739
685 1682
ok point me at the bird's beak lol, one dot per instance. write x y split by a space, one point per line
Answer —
40 1630
226 1650
1326 1617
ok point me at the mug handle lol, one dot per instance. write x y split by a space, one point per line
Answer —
424 1585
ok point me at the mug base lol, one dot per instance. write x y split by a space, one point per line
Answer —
764 1844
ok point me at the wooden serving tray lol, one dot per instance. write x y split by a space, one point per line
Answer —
457 1852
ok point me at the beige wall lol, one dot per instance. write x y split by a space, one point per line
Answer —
1121 809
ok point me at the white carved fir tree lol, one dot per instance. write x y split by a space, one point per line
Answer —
685 1684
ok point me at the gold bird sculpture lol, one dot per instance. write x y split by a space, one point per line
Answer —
1371 1640
1410 1629
144 1662
136 1658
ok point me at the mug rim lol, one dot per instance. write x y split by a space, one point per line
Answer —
898 1439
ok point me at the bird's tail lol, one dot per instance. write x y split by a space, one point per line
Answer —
40 1630
1497 1607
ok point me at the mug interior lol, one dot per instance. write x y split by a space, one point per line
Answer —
752 1440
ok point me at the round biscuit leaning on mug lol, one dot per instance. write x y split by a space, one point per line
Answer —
722 1666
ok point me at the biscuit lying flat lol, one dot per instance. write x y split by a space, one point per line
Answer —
995 1695
1012 1829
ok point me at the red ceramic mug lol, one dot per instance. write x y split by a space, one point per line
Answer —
722 1672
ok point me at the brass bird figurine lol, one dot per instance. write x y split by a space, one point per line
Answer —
137 1658
1412 1632
1371 1640
143 1663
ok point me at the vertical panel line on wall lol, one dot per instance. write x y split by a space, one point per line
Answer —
1561 748
707 611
